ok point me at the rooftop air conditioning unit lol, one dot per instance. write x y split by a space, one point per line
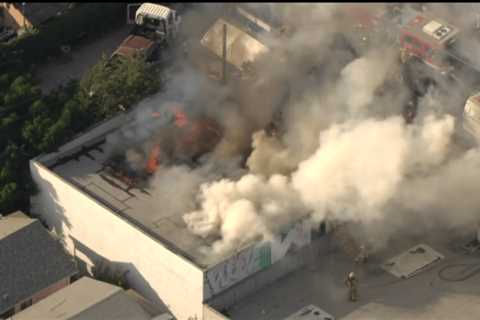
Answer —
437 30
442 32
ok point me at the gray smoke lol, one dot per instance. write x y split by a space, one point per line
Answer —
343 152
346 156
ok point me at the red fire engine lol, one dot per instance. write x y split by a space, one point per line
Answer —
429 40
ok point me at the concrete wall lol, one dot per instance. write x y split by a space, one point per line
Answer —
256 266
288 264
154 271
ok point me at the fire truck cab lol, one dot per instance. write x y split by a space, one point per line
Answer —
471 117
428 39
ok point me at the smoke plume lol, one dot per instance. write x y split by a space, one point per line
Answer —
341 150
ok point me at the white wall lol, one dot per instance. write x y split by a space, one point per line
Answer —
175 280
255 258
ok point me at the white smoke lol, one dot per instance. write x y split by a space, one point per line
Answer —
240 211
269 156
350 173
344 153
362 77
360 165
356 172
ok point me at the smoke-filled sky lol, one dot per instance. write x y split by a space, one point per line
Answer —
343 151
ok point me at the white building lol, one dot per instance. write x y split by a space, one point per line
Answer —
101 218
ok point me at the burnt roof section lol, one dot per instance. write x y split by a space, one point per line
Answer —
31 259
38 13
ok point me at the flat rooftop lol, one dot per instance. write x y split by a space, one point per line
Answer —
380 294
81 163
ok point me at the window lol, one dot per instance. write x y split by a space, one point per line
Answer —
152 22
170 19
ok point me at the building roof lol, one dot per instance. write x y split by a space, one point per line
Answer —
86 299
81 162
31 259
133 45
37 13
241 47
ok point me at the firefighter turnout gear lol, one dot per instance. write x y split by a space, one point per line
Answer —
352 282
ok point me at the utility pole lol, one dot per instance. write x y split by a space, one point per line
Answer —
224 55
23 13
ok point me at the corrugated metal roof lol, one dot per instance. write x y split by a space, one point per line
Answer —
153 9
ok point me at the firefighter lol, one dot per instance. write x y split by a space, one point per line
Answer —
351 282
362 255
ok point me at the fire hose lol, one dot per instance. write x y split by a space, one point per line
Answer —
465 267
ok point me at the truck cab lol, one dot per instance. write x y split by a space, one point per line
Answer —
471 117
154 20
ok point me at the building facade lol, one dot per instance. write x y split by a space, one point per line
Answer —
159 264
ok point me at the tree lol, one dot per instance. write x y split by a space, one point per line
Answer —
31 123
8 197
111 85
20 95
33 133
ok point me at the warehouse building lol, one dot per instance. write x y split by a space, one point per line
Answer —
102 218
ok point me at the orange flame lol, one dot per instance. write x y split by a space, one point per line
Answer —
181 119
152 163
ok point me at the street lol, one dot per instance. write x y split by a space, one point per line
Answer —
55 73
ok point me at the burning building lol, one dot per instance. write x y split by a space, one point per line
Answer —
101 203
100 195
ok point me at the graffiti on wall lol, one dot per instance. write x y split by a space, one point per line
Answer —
255 258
